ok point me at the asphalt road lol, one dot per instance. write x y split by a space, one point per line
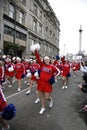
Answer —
63 116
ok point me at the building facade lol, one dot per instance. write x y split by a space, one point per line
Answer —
26 22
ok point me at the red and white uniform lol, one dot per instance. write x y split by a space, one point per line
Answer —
56 63
2 74
3 102
19 70
33 68
65 69
26 65
75 66
7 66
47 71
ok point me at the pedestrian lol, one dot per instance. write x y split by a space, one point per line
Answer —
47 75
83 68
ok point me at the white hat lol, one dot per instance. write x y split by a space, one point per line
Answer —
13 58
46 57
4 56
18 59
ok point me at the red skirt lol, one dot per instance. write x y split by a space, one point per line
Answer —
18 75
33 78
2 105
10 74
44 86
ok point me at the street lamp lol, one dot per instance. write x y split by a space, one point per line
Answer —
80 39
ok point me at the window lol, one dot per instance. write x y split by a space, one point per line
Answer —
34 25
35 9
44 18
45 47
49 49
40 1
21 36
11 11
21 17
23 2
32 42
8 30
40 28
53 37
50 33
46 30
40 14
5 5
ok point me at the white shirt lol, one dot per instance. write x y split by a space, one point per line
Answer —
83 69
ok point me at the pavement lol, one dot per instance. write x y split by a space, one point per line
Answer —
64 115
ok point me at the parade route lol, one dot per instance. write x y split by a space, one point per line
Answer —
63 116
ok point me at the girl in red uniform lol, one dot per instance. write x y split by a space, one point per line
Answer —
19 71
9 70
3 102
65 72
26 65
7 112
75 67
33 69
47 74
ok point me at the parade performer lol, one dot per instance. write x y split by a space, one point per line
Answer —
26 63
47 78
65 72
19 72
57 63
33 77
7 111
75 67
9 70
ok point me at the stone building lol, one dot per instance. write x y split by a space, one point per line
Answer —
26 22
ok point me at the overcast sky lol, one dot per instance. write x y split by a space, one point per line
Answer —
71 14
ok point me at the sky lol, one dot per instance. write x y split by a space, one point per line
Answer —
71 14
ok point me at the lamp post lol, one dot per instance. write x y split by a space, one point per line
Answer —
80 39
